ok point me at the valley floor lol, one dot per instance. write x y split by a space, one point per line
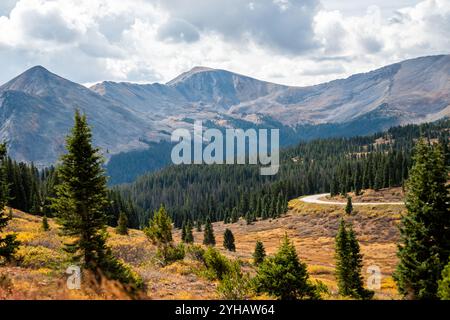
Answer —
312 228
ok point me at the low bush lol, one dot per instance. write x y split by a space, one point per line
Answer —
235 285
216 264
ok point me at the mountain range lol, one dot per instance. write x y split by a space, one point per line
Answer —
36 107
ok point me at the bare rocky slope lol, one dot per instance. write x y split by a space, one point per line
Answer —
36 108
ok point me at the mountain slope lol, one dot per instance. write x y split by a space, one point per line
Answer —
36 112
126 116
415 90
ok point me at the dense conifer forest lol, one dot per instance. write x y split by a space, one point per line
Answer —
336 165
194 193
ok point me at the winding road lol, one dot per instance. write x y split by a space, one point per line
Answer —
315 198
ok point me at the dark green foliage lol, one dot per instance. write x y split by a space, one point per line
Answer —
208 236
118 204
81 199
349 206
259 254
217 264
8 243
424 247
45 225
444 284
196 252
235 285
159 230
349 262
122 224
170 253
221 192
159 233
228 240
284 276
187 235
31 191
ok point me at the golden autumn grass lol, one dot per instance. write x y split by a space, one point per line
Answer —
40 273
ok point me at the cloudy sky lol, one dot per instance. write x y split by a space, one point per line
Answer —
297 42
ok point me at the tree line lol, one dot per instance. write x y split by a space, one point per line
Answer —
228 192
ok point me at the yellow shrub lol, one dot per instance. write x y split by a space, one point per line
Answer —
39 257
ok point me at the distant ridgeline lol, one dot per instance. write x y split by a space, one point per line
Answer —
336 165
227 192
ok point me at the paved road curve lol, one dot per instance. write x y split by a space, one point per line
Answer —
316 199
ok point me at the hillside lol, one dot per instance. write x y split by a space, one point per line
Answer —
126 116
336 165
311 227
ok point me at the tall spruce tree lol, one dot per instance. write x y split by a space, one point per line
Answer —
208 237
8 243
228 240
349 264
80 205
424 247
342 254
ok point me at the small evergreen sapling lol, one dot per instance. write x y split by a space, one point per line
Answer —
228 240
208 238
122 224
45 225
349 206
259 254
284 276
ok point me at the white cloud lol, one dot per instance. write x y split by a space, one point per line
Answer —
296 42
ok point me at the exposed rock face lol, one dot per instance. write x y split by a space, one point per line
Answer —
36 108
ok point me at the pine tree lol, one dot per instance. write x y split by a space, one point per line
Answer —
8 243
349 206
379 177
358 180
234 215
425 240
80 204
228 240
183 232
81 196
259 254
208 238
444 284
122 224
284 276
356 264
349 264
189 237
199 226
159 230
45 225
342 254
